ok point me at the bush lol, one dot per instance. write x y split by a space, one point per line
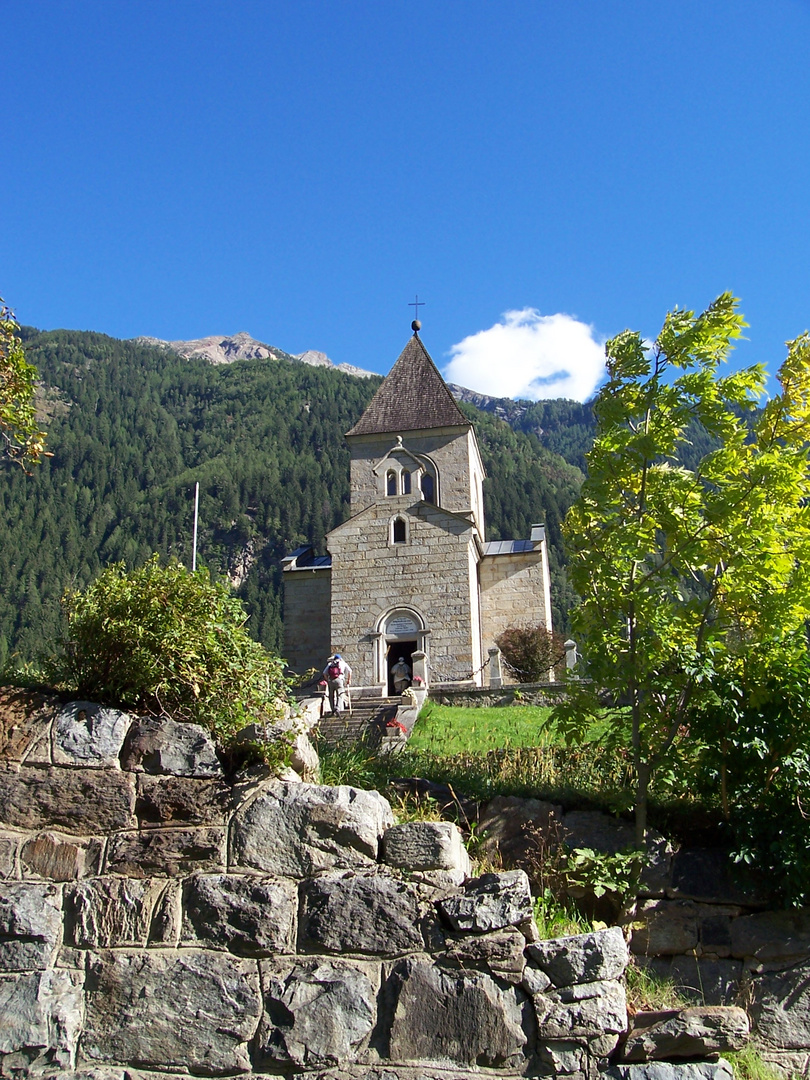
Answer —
162 639
531 652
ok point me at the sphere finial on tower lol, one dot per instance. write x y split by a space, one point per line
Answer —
416 326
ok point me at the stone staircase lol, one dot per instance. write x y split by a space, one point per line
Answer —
367 719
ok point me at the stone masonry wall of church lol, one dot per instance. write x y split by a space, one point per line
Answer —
369 577
512 593
307 623
450 451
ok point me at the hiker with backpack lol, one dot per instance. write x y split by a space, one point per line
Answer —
338 677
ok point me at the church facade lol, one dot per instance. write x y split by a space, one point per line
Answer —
411 572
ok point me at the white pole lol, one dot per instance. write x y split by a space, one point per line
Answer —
196 517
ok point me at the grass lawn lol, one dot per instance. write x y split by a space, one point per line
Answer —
451 729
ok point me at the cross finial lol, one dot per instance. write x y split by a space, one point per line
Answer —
416 304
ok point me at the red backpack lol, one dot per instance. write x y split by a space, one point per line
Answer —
333 671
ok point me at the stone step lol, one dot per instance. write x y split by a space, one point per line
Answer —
367 717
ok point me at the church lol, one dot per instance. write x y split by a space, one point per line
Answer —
411 574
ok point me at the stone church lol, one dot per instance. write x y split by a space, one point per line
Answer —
411 572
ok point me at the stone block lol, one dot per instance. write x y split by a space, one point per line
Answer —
586 1009
463 1017
705 980
166 852
601 832
160 745
167 916
249 916
364 913
30 924
779 1007
499 953
427 845
294 830
25 723
316 1012
59 858
182 800
668 927
8 853
772 936
708 874
669 1070
514 829
685 1033
110 912
83 801
89 735
490 902
583 958
562 1058
42 1012
171 1010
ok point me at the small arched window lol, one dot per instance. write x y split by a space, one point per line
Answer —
399 535
427 488
390 482
406 482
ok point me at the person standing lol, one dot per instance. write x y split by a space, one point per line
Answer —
401 675
338 677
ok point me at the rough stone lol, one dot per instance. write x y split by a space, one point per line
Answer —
167 1009
779 1006
427 845
89 735
250 916
293 830
110 912
603 833
685 1033
562 1058
499 953
357 913
781 936
182 800
595 1008
42 1012
25 722
30 925
83 801
519 831
60 858
583 958
319 1012
8 852
167 916
490 902
669 1070
665 928
305 758
461 1016
708 874
166 852
534 980
160 745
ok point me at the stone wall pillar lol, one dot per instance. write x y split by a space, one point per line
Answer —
419 665
571 656
495 672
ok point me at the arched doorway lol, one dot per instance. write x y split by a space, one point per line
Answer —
402 632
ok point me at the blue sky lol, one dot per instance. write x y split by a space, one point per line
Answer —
301 169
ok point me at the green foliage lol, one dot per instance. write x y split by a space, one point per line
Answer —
21 440
558 918
161 638
648 992
678 567
531 652
757 754
449 729
747 1064
600 874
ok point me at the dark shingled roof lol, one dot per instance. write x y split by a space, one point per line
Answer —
413 397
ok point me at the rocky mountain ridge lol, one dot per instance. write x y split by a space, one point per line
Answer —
224 349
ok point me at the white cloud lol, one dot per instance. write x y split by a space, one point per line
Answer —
529 355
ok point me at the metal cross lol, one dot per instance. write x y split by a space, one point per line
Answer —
416 304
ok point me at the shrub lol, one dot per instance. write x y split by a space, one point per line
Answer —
163 639
531 651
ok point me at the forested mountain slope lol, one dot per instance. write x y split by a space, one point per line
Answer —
132 427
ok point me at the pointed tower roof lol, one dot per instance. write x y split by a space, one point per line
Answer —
413 397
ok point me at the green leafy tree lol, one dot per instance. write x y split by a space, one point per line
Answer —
680 567
164 639
531 652
20 437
